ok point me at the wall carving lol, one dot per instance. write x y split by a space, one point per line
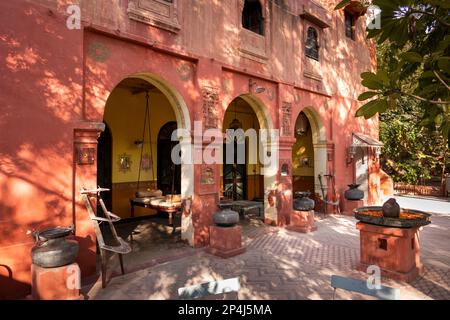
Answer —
286 110
158 13
210 107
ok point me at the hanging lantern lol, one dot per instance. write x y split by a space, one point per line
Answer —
235 124
301 126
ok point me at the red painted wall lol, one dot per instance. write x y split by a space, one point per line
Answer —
54 80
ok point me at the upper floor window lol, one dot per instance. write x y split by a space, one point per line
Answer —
312 44
252 17
349 25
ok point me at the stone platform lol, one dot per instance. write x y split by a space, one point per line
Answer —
302 221
395 250
62 283
225 242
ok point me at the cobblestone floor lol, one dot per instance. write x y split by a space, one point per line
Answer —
281 264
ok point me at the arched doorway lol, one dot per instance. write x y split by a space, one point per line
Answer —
242 178
251 179
134 159
309 153
303 156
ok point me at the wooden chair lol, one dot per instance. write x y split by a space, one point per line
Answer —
360 286
211 288
121 247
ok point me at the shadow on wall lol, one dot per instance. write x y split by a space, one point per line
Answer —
11 286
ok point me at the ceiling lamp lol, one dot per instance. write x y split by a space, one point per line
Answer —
235 124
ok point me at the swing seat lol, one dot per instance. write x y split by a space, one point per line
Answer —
149 194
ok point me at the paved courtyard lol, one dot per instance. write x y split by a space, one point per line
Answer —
281 264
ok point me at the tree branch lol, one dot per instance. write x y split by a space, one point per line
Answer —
441 80
412 11
420 98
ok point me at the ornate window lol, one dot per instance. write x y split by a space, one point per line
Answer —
252 16
312 44
158 13
349 25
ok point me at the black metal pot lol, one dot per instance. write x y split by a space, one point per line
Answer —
391 209
302 202
226 217
52 249
353 193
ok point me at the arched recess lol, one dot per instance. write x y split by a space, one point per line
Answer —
320 146
183 120
270 172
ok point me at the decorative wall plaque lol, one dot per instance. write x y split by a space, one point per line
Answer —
184 71
210 107
124 162
98 51
85 156
207 176
286 109
146 162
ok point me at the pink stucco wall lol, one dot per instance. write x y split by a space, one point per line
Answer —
54 84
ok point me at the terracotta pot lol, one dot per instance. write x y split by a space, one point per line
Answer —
353 193
53 250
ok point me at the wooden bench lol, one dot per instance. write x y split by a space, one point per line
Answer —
360 286
209 288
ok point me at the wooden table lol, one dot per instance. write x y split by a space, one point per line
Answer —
171 210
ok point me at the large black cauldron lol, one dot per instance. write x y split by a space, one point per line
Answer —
226 217
302 202
52 249
353 193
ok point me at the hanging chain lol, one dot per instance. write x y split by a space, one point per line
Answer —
143 142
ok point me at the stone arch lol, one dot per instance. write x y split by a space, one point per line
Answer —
270 175
183 120
320 145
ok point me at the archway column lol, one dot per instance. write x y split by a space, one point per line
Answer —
285 181
85 176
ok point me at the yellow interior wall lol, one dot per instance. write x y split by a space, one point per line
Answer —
303 147
246 115
125 117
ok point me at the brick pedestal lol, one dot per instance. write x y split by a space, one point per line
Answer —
55 283
302 221
395 250
225 242
349 205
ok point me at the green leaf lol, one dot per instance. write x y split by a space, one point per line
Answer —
373 85
341 4
444 64
367 95
371 108
383 76
411 56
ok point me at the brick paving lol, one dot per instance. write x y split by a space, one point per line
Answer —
281 264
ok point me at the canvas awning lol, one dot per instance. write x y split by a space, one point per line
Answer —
364 141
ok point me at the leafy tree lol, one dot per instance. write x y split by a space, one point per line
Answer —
411 87
418 67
